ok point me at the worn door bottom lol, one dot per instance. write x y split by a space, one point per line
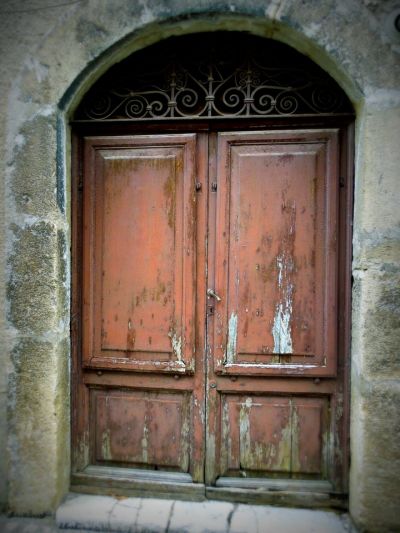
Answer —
287 498
135 482
145 483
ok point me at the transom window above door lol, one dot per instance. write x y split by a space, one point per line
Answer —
213 76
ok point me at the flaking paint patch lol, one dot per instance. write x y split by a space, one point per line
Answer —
210 453
145 441
296 465
106 445
200 410
232 338
281 329
176 344
277 365
246 451
249 402
327 445
263 456
185 436
226 450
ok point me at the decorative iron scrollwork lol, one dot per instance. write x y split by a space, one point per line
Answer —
248 86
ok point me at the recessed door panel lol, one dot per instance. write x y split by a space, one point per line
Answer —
142 429
274 436
276 263
140 274
139 301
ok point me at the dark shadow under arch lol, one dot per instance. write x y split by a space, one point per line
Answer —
213 75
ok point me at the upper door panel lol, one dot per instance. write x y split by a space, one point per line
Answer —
276 258
139 279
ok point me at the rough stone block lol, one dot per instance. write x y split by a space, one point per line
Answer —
375 453
376 323
3 446
38 426
376 199
37 278
34 168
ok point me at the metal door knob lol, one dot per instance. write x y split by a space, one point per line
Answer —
212 293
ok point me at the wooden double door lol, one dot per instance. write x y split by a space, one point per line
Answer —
210 284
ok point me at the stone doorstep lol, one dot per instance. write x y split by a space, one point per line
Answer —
127 515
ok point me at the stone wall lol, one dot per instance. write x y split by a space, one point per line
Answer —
49 57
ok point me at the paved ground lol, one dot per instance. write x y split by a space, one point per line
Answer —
138 515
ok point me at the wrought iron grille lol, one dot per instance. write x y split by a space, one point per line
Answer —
246 77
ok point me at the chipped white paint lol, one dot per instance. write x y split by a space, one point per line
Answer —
281 329
264 455
199 407
210 453
279 263
249 402
106 445
232 338
176 344
273 365
244 433
185 437
339 406
226 450
145 441
170 366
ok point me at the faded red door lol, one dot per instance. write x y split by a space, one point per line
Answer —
141 404
275 403
238 389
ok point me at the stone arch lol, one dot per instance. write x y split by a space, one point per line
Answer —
152 33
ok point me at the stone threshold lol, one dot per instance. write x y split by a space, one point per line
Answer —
89 513
107 513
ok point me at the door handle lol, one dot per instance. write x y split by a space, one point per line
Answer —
210 292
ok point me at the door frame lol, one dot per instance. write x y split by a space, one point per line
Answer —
79 435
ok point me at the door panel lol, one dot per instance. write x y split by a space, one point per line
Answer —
141 372
273 334
274 436
141 428
277 259
140 273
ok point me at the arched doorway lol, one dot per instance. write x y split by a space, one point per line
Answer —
212 195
